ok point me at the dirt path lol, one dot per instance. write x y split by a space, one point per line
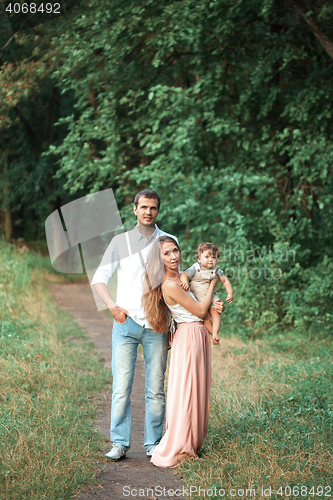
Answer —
136 473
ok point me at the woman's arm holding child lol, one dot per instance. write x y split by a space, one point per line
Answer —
217 305
176 293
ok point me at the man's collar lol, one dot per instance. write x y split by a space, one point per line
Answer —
139 235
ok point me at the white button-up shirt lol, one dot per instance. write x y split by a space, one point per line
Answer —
127 253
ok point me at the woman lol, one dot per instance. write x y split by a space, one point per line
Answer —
190 364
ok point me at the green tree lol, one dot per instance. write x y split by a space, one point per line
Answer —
225 109
30 104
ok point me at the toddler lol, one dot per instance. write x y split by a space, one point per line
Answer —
200 274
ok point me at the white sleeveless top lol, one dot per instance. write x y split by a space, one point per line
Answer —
179 313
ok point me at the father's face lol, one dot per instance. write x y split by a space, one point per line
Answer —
146 211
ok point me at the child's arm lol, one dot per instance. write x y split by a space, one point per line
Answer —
184 277
227 285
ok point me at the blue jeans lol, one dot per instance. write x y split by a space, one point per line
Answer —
125 340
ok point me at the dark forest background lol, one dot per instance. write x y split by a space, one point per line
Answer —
223 107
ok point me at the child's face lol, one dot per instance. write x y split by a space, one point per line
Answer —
207 259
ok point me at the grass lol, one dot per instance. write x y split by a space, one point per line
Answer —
271 410
49 376
270 420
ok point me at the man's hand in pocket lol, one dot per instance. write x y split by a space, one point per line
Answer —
119 314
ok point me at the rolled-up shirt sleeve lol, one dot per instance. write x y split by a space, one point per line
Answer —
108 264
219 271
191 271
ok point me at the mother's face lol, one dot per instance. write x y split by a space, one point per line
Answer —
171 255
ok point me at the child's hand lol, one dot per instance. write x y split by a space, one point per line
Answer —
184 281
216 339
230 298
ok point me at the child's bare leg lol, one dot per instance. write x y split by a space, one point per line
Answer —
208 323
216 317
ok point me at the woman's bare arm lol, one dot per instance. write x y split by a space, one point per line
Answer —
174 293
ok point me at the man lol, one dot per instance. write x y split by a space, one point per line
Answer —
127 253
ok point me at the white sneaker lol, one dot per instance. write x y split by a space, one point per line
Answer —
151 451
116 452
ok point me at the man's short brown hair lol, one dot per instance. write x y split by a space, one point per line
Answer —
207 246
147 193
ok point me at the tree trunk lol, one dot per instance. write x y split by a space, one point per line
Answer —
7 213
326 43
8 224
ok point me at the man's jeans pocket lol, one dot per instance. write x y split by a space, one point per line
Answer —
121 323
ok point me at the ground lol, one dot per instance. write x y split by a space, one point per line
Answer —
131 476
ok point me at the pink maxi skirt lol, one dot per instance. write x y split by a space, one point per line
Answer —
187 397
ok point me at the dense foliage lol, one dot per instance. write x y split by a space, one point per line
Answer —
225 109
30 105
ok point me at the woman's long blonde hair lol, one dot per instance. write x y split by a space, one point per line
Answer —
156 311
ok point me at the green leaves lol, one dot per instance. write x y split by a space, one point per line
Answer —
225 109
